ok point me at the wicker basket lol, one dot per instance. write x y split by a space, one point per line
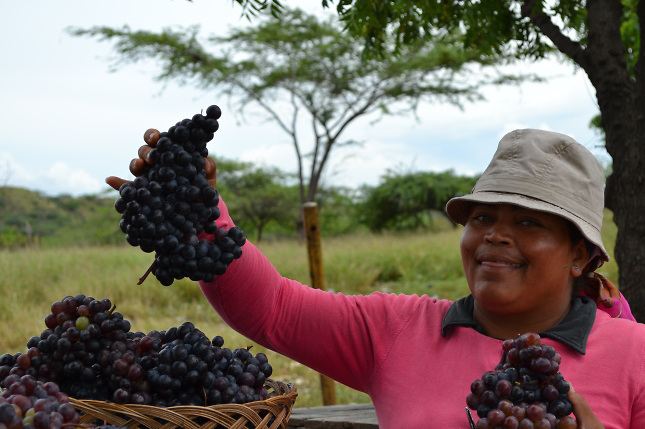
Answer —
271 413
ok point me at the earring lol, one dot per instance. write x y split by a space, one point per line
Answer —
575 267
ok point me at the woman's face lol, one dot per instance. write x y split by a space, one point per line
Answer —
518 260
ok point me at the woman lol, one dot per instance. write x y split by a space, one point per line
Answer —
531 228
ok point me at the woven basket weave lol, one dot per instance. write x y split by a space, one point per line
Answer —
271 413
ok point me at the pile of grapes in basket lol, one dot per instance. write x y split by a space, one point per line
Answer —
88 351
168 207
524 391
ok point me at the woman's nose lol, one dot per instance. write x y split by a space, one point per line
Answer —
498 233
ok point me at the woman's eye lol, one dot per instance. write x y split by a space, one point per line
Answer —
529 222
481 217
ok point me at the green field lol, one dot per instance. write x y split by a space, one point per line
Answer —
422 263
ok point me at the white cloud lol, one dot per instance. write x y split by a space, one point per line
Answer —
13 172
76 181
58 178
281 155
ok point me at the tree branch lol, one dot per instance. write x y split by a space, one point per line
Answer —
356 113
296 146
543 22
262 103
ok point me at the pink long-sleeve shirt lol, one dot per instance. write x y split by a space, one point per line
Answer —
392 348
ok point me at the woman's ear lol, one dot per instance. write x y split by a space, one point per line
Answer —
580 258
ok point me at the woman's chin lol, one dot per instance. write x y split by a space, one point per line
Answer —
496 300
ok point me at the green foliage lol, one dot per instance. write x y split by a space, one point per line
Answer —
630 33
11 238
486 26
262 200
30 218
339 211
252 8
411 201
258 197
501 26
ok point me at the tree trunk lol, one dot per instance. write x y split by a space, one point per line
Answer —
625 195
626 198
621 100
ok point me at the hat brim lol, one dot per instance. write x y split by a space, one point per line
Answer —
458 209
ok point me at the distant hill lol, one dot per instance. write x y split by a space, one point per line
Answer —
27 216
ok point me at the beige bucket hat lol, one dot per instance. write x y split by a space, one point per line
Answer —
545 171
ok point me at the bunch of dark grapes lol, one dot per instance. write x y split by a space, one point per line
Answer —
524 391
29 403
167 208
89 352
191 369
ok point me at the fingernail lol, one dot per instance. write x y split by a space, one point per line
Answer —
571 387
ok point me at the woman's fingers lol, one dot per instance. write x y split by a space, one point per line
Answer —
584 415
137 166
151 136
115 182
211 171
144 153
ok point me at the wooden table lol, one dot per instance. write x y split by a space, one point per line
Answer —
354 416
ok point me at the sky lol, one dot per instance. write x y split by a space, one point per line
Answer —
67 120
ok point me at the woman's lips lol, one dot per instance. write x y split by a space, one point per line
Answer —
498 261
499 264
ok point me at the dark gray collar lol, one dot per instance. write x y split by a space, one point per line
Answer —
573 330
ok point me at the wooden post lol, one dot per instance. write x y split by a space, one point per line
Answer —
314 251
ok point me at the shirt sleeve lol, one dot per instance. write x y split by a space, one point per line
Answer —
343 337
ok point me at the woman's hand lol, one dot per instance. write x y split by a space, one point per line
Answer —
584 415
140 165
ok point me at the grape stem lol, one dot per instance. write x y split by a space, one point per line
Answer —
470 419
148 271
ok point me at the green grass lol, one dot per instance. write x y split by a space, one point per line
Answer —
420 263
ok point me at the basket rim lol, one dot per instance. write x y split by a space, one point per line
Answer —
279 405
291 393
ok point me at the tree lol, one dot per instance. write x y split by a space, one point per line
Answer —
339 211
602 37
408 201
297 63
260 195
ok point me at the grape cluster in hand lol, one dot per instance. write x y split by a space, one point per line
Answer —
525 391
88 351
167 208
28 403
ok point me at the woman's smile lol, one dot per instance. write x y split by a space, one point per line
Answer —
493 261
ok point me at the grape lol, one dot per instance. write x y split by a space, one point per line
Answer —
511 422
168 208
525 390
82 323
